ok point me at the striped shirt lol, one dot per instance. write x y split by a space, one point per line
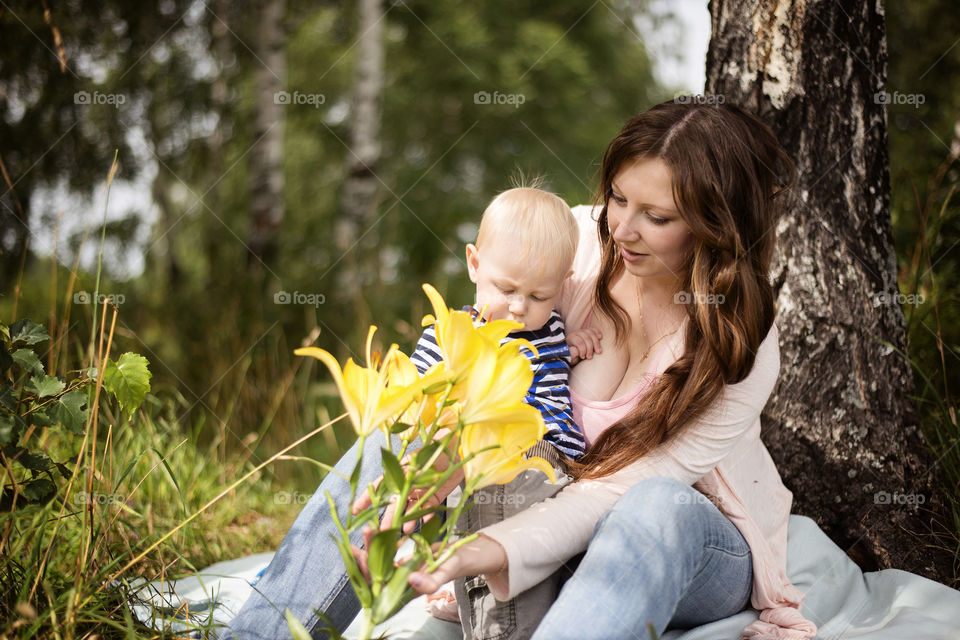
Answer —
548 393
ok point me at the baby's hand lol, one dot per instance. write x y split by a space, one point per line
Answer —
583 344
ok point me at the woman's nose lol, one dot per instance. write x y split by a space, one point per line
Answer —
622 232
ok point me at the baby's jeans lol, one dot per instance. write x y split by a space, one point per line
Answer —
481 615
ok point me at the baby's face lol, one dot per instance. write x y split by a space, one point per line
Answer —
511 287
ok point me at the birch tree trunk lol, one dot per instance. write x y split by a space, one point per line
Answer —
266 157
359 200
840 425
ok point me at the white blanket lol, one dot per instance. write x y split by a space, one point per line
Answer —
842 601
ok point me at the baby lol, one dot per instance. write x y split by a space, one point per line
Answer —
525 246
523 254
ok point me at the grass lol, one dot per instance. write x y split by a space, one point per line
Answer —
151 495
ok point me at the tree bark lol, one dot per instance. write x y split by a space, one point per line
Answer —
266 157
360 191
840 424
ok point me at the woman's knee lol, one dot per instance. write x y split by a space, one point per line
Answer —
656 501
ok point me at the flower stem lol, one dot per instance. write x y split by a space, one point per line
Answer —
366 625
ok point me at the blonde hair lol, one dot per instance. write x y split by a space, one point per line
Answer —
540 221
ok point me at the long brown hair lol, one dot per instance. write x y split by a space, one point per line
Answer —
729 174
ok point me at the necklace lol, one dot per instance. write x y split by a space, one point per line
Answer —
643 328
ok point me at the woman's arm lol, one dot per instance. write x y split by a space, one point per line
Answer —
538 540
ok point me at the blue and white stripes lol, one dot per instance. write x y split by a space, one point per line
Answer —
548 393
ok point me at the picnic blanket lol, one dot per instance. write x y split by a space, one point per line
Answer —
842 601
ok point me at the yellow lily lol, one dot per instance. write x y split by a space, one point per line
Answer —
510 440
368 399
464 347
401 373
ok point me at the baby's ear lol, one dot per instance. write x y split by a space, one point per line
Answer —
473 261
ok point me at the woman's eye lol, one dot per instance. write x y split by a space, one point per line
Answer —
618 199
655 220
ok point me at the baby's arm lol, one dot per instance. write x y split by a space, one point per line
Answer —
583 344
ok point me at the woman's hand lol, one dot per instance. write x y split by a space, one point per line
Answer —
583 344
481 556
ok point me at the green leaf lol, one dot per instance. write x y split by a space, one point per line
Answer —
8 428
69 411
4 333
27 332
45 386
128 380
39 490
40 418
383 547
396 593
5 360
430 531
31 461
6 397
357 581
392 471
297 630
27 360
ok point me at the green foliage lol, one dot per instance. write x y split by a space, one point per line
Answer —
128 379
924 70
31 399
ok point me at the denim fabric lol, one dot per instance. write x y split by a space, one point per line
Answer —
663 554
306 575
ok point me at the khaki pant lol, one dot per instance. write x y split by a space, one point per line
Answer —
481 615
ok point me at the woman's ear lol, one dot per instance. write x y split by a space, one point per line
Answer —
473 262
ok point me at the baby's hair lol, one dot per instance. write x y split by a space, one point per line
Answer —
539 220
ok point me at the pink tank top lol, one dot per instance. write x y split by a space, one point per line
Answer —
594 416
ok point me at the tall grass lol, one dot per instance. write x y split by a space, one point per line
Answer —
933 330
150 495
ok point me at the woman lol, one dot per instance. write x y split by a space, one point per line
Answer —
672 268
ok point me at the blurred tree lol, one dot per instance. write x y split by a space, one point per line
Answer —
361 187
266 156
470 95
840 424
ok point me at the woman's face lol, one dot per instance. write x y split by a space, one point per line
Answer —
645 225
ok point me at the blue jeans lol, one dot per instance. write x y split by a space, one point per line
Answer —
663 554
306 574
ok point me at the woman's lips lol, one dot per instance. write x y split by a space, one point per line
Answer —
630 256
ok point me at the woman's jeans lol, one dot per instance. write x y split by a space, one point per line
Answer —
663 554
306 574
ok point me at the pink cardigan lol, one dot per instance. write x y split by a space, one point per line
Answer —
721 455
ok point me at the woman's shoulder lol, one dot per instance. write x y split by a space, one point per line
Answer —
756 388
577 293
